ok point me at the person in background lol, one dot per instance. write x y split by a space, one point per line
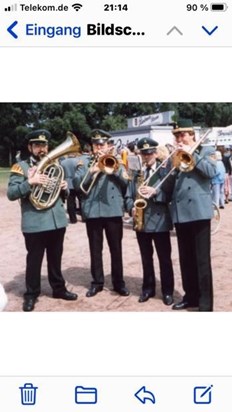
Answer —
111 146
230 177
192 211
155 230
18 156
44 229
226 158
69 165
218 182
102 210
3 298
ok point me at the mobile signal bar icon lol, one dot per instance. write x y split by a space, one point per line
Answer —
13 7
77 6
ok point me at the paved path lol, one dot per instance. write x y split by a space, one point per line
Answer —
77 274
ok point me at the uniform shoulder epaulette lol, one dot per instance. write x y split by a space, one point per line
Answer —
16 168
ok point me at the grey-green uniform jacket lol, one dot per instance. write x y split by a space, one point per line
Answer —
192 199
106 198
33 220
157 216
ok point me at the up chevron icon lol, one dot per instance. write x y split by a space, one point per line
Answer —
209 32
174 28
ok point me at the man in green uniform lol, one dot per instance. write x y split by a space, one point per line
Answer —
152 223
42 229
102 209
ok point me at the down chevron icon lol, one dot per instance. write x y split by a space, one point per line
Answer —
211 31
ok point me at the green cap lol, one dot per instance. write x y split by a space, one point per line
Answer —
99 136
184 125
39 136
146 145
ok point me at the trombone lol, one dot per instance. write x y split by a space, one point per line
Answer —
107 164
181 159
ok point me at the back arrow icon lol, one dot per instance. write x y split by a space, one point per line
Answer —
10 29
143 395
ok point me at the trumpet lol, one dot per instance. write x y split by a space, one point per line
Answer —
106 163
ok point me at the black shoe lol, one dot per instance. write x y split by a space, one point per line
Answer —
183 304
65 294
168 300
122 291
145 296
29 304
93 291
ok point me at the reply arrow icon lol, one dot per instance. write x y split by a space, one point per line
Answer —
10 29
143 395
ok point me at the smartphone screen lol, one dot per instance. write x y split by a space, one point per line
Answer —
116 189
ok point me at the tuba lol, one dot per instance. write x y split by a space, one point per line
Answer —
44 196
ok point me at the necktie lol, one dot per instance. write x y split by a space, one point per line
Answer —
147 173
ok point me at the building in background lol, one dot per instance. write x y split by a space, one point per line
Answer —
157 126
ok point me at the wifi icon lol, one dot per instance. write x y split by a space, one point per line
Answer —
77 6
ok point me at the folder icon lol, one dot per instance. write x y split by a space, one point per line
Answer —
85 395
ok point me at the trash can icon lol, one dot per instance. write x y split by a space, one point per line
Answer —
28 394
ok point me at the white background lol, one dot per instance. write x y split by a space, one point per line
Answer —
115 343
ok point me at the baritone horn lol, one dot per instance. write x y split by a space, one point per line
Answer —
44 196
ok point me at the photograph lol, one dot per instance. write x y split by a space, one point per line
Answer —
115 207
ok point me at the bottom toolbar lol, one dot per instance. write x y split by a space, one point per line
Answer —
108 393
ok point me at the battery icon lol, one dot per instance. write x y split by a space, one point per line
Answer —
218 6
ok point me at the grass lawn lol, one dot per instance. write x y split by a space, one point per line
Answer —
4 176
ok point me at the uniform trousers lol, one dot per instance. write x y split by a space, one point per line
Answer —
195 263
113 228
36 244
71 206
163 248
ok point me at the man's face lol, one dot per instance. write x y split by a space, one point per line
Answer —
149 158
100 148
184 138
38 150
